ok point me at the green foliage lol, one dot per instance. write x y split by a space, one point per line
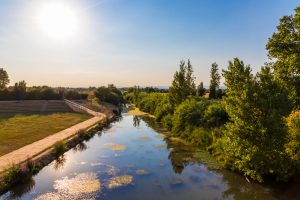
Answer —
150 102
10 177
163 108
59 148
188 113
214 81
284 46
201 90
215 115
167 122
19 90
33 168
255 138
199 136
74 95
4 79
183 84
109 94
293 147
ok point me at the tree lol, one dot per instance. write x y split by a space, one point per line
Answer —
109 94
188 114
136 94
255 139
284 46
183 84
201 90
20 90
4 79
214 81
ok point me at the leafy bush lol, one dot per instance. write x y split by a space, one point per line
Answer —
200 137
109 94
149 102
59 148
215 115
167 122
293 147
188 113
10 177
164 108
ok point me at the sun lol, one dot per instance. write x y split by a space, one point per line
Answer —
58 20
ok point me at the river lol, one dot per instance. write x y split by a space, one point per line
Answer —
132 160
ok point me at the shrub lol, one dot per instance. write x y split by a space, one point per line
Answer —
167 122
293 147
59 148
200 137
188 113
164 108
12 176
215 115
33 167
149 102
109 94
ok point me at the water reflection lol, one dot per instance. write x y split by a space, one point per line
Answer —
136 121
153 165
80 147
59 162
20 190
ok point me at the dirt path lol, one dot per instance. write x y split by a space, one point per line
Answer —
31 150
22 154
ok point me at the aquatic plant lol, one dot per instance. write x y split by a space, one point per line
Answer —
59 148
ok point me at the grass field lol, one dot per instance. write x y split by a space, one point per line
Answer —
18 130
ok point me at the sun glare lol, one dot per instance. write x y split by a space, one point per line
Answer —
57 20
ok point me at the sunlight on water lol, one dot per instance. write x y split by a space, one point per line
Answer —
82 183
120 181
116 147
81 186
142 172
143 138
136 161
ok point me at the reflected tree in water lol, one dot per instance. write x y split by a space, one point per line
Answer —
59 162
80 147
17 192
136 121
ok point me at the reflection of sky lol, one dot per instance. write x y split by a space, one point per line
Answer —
103 164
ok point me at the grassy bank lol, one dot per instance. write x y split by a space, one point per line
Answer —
18 174
18 130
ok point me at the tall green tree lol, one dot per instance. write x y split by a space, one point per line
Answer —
136 94
255 139
20 90
214 81
109 94
284 47
4 79
201 90
183 84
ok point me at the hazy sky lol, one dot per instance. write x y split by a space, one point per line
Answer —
131 42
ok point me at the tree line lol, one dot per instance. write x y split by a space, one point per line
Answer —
252 128
20 91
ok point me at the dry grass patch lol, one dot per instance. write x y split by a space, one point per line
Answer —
18 130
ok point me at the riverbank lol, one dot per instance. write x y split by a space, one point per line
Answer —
30 151
161 168
23 171
21 129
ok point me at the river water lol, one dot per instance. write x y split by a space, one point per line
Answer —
132 160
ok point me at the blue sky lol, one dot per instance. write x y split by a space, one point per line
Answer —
136 42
